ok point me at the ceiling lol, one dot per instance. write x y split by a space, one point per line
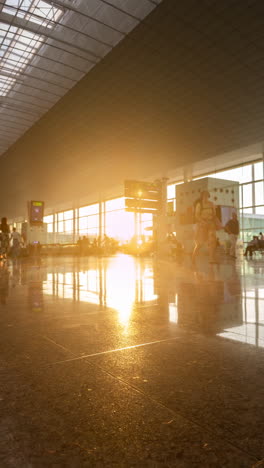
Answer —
185 85
48 46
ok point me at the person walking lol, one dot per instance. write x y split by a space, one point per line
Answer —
4 228
232 229
207 224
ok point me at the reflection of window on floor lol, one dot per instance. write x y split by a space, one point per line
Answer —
173 310
89 286
252 330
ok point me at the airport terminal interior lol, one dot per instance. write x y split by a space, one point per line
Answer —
132 233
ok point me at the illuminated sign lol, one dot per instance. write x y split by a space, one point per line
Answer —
142 197
36 212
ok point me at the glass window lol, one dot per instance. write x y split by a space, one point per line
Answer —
48 219
171 191
83 223
68 214
146 217
60 216
260 210
116 204
247 195
259 194
120 224
247 211
93 231
258 170
68 225
89 210
60 226
239 174
93 221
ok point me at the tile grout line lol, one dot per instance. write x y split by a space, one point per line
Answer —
173 412
137 390
86 356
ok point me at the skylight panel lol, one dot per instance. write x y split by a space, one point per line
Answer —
6 84
18 46
35 11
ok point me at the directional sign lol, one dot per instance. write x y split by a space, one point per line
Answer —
137 203
142 197
144 190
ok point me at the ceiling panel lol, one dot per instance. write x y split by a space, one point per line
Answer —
46 47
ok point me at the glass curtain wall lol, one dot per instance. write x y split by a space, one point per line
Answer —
49 220
64 226
68 226
251 196
122 225
88 221
118 223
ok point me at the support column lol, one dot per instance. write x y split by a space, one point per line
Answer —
101 213
74 234
253 188
54 228
162 228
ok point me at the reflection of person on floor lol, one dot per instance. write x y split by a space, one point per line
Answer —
16 242
175 247
4 238
4 284
232 229
252 246
207 223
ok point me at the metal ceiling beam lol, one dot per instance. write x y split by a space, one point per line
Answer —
120 9
12 99
58 62
21 83
20 125
55 23
44 69
13 111
42 31
9 134
10 131
13 90
58 48
14 131
14 117
153 3
23 110
13 122
61 4
17 76
7 140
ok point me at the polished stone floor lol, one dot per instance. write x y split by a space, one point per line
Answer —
131 362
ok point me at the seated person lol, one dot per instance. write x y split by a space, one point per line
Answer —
261 240
252 246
